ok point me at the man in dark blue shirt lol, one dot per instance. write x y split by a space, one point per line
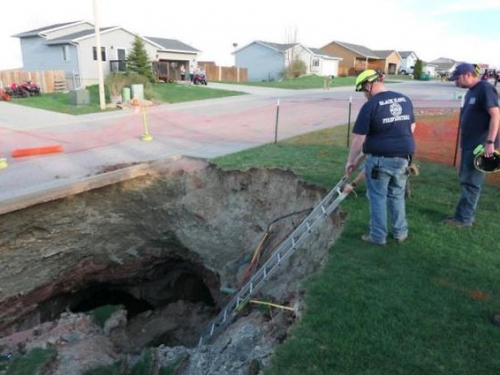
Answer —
479 122
384 132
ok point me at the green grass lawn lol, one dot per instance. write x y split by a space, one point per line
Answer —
314 82
162 93
301 83
420 307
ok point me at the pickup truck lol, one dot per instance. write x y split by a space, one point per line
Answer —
406 71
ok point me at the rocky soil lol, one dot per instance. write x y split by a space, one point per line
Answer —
164 248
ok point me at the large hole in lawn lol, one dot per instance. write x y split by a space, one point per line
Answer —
164 248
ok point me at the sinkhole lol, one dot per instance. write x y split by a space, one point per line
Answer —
162 244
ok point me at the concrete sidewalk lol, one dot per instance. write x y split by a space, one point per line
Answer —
206 129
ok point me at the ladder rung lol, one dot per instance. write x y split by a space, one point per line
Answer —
282 252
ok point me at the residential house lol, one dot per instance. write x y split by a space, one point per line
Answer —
390 60
444 66
408 61
71 47
267 61
356 58
429 69
169 55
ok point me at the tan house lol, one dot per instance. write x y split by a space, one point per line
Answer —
356 58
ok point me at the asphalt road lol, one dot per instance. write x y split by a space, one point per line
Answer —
207 129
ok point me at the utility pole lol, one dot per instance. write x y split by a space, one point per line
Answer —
102 98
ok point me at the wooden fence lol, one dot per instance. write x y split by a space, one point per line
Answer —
214 73
51 80
225 73
46 79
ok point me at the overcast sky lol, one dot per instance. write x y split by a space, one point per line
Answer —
457 29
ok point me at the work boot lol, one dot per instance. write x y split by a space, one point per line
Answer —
451 221
368 238
401 238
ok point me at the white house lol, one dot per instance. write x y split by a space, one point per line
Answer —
71 47
267 61
408 61
429 69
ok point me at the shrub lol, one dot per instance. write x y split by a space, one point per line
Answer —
296 69
115 82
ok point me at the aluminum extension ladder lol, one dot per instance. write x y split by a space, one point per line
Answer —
287 248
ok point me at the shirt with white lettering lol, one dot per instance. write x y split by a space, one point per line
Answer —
386 121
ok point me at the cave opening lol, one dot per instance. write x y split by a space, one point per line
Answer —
150 288
101 295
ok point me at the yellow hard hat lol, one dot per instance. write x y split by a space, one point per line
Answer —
369 75
484 164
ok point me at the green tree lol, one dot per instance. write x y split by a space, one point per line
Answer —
418 70
138 60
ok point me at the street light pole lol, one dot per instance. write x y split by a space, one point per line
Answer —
102 98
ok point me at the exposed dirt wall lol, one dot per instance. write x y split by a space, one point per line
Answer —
183 225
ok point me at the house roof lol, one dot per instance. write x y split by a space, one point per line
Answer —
171 44
75 37
358 50
443 63
319 52
41 30
285 47
275 46
384 53
161 43
405 54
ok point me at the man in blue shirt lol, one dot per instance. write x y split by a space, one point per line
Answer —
383 131
479 122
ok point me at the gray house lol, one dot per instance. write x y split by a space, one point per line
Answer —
444 66
71 47
266 61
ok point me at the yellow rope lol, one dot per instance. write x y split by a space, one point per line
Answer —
272 305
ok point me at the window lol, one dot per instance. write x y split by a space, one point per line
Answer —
315 62
103 53
65 53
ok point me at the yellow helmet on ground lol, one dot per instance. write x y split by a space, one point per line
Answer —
484 164
369 75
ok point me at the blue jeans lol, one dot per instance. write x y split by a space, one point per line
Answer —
471 181
387 191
